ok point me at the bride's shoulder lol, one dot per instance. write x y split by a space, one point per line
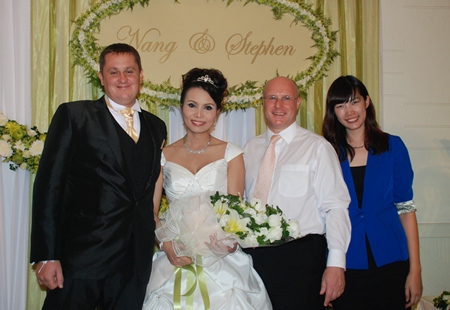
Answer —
171 150
232 151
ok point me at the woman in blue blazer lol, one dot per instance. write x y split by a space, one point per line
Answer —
383 264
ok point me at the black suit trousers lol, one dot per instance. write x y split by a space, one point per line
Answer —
122 290
292 272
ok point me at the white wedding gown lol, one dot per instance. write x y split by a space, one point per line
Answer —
231 281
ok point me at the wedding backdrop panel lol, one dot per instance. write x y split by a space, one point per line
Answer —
58 76
245 42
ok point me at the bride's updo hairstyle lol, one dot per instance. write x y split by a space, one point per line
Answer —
210 80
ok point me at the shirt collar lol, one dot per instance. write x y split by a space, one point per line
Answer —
286 134
118 107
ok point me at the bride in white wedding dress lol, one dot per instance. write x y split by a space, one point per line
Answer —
191 167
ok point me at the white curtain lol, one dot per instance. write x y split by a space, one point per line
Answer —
15 102
236 126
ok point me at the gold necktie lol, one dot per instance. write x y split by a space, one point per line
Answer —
128 114
265 173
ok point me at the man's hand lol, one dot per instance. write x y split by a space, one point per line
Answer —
50 274
333 284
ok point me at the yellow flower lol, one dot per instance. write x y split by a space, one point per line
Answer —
12 126
236 224
163 207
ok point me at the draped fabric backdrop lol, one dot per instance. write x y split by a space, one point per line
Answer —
55 80
15 102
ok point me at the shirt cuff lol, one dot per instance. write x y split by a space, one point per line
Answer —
336 258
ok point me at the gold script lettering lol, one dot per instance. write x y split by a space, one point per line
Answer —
238 44
145 45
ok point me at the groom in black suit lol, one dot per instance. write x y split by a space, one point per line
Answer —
92 233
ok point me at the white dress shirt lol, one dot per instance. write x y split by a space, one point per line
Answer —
119 117
307 185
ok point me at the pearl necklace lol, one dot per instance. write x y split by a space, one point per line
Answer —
196 152
357 147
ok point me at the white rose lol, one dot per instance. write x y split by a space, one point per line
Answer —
36 148
293 229
250 211
31 133
6 137
26 154
19 146
5 149
260 218
263 232
274 234
23 166
275 220
250 240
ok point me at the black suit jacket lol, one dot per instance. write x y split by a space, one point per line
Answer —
85 210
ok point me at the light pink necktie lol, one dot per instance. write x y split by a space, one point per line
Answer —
128 114
265 173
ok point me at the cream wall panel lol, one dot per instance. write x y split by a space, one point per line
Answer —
415 104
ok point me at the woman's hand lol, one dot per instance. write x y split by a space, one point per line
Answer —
219 247
413 288
173 258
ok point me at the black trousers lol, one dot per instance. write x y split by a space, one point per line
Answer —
122 290
375 288
292 272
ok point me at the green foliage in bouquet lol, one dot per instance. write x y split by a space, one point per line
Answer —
252 222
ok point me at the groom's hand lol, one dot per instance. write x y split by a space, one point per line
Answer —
333 284
50 274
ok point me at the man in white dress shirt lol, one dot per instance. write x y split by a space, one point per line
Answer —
308 186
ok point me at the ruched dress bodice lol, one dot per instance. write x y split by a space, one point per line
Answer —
179 182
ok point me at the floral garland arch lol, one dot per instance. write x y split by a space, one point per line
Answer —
22 147
241 97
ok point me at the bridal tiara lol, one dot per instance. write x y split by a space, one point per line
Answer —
206 79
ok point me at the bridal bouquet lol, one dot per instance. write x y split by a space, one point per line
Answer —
443 301
204 226
252 223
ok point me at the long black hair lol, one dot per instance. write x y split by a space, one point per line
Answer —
344 89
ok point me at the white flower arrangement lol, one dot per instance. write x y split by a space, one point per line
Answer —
251 223
442 302
191 223
20 146
86 51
